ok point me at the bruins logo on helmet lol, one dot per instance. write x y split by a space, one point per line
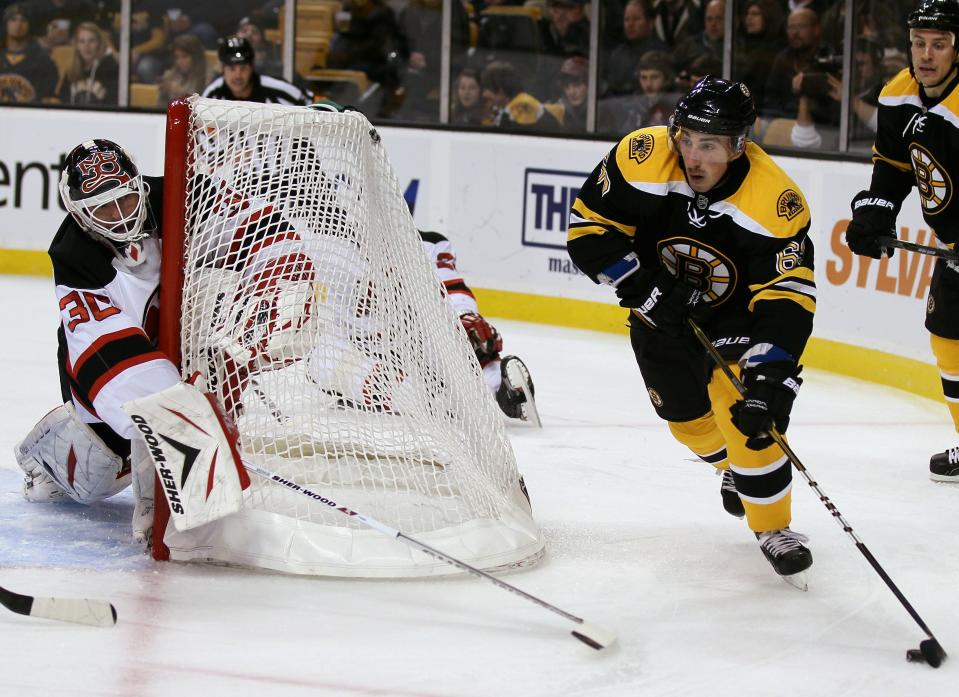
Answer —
701 267
932 180
641 147
789 205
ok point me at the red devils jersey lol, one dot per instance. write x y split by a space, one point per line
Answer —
441 253
917 144
744 244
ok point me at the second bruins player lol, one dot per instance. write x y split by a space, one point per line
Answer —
695 219
916 146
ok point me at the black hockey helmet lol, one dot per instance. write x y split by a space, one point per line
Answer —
942 15
96 175
716 106
235 51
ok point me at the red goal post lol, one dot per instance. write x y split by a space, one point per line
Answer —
294 279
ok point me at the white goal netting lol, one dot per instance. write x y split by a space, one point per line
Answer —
316 319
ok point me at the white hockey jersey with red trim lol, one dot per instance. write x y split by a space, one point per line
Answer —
108 310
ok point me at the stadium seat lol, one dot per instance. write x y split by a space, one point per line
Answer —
778 132
144 96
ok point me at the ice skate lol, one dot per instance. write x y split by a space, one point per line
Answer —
731 501
788 555
944 467
516 393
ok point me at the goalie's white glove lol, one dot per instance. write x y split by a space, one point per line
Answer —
194 450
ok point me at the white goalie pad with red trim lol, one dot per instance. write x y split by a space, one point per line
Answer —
193 448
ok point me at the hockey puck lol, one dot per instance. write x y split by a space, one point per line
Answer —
915 656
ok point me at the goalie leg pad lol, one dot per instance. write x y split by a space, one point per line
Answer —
194 450
62 456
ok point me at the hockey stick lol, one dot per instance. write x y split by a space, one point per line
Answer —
947 254
930 650
97 613
590 634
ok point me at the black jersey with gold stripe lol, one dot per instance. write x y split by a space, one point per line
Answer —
917 144
744 243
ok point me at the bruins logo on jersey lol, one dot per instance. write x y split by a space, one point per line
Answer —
641 147
932 180
701 267
789 204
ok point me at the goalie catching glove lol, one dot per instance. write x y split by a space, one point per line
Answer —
485 340
873 217
771 378
194 450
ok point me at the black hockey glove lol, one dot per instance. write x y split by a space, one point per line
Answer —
661 299
872 217
771 388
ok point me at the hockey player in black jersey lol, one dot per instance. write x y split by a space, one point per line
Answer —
916 146
696 219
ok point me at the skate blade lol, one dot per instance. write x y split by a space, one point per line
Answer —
944 478
797 581
529 406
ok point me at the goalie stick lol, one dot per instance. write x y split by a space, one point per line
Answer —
96 613
590 634
894 242
930 650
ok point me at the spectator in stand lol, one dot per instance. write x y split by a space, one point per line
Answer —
27 75
241 82
708 42
267 61
510 106
177 22
620 70
757 44
57 34
659 96
564 32
697 70
785 81
676 20
148 42
868 83
367 38
93 76
420 31
189 73
573 80
42 12
468 108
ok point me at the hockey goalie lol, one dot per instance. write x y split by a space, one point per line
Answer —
106 264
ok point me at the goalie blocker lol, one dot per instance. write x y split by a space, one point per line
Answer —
193 448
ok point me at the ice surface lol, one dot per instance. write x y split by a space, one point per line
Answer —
638 543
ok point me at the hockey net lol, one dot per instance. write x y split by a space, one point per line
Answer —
295 283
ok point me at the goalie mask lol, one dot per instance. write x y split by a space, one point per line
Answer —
717 107
106 195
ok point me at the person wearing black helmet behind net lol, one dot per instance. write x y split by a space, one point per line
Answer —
240 81
106 269
694 220
918 125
